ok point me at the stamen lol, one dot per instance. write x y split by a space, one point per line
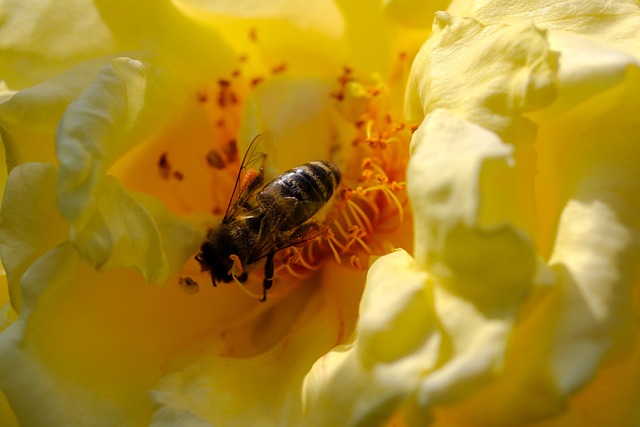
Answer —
333 249
351 227
355 262
244 289
299 259
357 212
295 273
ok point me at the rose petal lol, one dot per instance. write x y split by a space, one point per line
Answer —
585 200
7 313
306 38
291 113
596 239
122 232
464 225
34 48
52 347
585 68
115 113
487 74
6 413
415 13
220 389
30 224
368 36
28 118
364 382
36 394
161 27
615 20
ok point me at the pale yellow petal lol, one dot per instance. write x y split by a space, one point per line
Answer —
7 417
305 37
160 26
7 313
414 13
296 119
220 386
396 342
611 398
487 74
585 175
100 340
3 168
598 227
368 36
42 385
611 23
122 232
30 223
29 117
41 39
123 106
465 227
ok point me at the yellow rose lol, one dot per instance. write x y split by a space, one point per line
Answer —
122 132
520 303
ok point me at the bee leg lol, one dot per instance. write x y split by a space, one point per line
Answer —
268 276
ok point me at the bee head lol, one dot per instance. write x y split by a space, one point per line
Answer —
214 255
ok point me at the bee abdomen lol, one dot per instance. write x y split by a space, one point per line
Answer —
311 185
315 180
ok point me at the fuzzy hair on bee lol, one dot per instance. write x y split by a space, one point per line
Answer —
264 218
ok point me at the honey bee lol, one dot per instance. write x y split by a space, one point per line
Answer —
264 218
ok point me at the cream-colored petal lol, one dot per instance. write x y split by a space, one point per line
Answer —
124 105
179 238
121 107
585 69
5 92
396 342
460 181
596 245
611 398
28 118
30 223
41 39
318 16
466 226
609 22
488 74
38 395
122 232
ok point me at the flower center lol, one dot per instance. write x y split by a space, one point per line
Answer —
371 201
200 169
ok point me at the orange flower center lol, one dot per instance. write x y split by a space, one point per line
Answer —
370 202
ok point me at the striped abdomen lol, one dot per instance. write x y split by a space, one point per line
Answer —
296 195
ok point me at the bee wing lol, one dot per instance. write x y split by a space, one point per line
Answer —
274 239
250 178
